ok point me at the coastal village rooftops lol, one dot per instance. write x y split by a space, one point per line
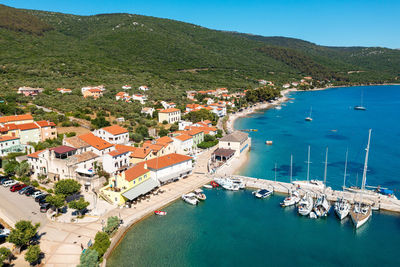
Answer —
164 140
169 110
76 142
78 158
8 127
35 154
45 123
95 141
166 161
140 152
183 137
115 130
24 117
134 172
7 138
155 147
62 149
118 152
27 126
236 136
125 148
194 131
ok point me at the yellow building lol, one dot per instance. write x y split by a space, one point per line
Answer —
129 185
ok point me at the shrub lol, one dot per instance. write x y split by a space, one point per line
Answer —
33 254
112 225
101 243
23 233
67 187
89 258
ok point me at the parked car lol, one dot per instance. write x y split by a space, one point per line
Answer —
42 201
30 191
37 193
45 207
10 183
42 196
23 190
3 180
17 187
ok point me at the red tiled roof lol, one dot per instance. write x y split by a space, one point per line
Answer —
8 127
140 152
155 147
95 90
135 172
23 117
164 140
169 110
183 137
35 154
63 149
45 123
194 131
165 161
115 130
118 152
126 148
95 141
7 138
27 126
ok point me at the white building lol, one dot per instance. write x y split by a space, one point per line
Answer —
168 105
143 88
183 144
169 168
9 144
170 115
183 124
141 98
114 134
96 144
86 88
126 87
148 111
237 141
116 161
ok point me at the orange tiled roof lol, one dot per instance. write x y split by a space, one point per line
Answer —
118 152
140 152
35 154
7 138
115 129
135 172
126 148
183 137
27 126
164 140
23 117
95 90
155 147
169 110
8 127
121 94
95 141
165 161
45 123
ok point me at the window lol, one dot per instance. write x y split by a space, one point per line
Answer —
140 179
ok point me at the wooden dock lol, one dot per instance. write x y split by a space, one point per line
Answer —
379 201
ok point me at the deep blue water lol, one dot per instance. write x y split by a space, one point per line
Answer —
235 229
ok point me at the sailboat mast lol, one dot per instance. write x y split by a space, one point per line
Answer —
366 161
275 171
310 111
291 167
326 166
308 164
345 169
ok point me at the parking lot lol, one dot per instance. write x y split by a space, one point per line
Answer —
17 207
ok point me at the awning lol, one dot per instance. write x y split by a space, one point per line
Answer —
141 189
84 171
224 152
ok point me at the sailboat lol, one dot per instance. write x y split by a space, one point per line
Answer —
306 204
309 118
361 107
309 184
322 206
342 206
361 212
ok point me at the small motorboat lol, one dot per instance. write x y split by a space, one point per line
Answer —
208 186
190 198
278 107
213 184
313 215
200 195
160 213
263 193
268 142
238 182
291 200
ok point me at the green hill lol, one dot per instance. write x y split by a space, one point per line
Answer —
53 50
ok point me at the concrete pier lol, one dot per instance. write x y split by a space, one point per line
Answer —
379 201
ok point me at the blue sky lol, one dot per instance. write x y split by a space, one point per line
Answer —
325 22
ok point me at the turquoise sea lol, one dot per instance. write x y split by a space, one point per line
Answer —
235 229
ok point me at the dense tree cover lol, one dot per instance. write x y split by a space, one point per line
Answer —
23 233
101 243
100 122
89 258
209 141
5 254
33 254
202 114
58 201
112 225
261 94
78 205
48 143
67 187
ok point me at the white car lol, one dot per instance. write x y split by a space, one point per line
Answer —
37 193
10 183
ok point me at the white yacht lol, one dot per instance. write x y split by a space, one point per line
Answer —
238 182
291 200
360 214
190 198
305 205
322 206
342 208
263 193
309 118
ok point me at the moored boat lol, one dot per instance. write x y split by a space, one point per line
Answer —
160 213
199 194
190 198
263 193
305 205
360 214
291 200
208 186
322 206
342 208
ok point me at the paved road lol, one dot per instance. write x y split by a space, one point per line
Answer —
19 207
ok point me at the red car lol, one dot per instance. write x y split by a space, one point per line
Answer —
17 187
